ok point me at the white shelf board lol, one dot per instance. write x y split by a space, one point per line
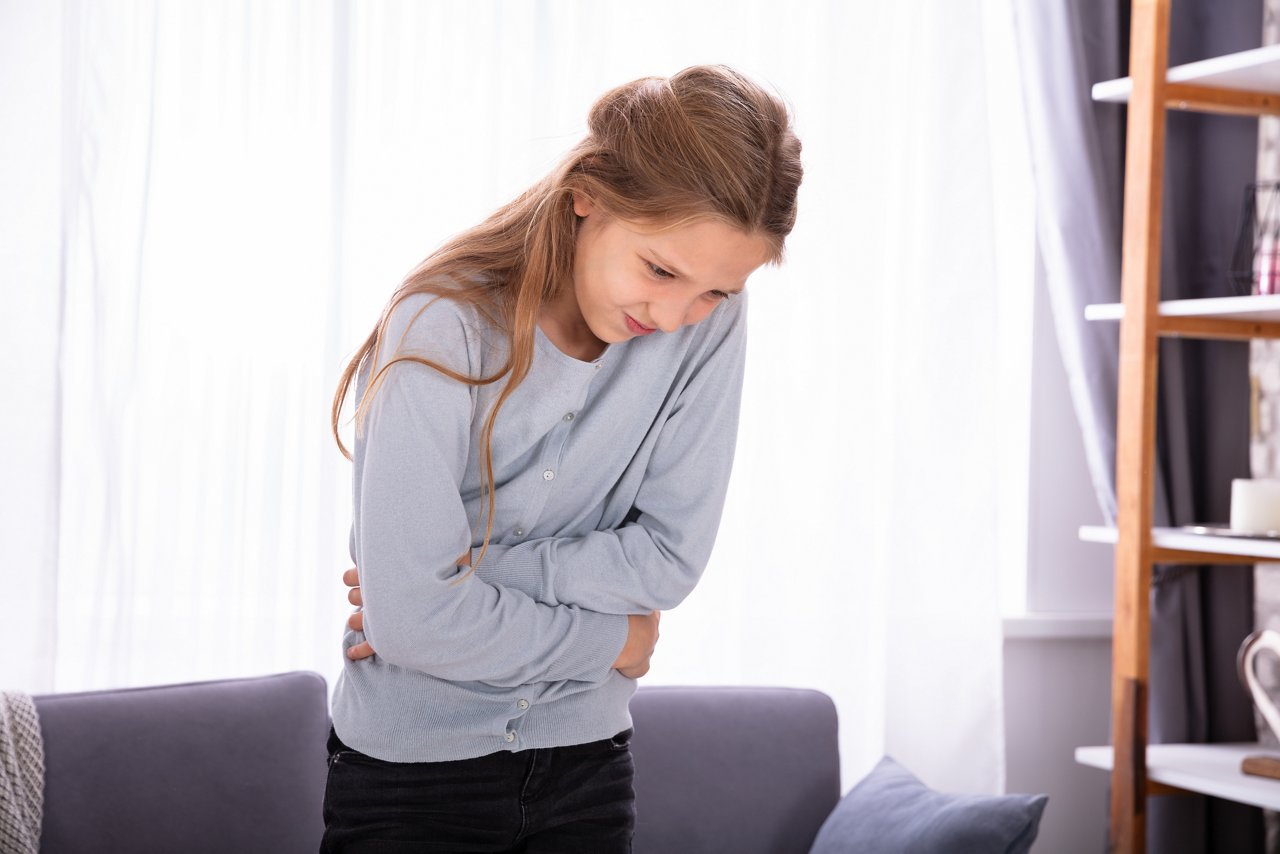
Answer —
1175 538
1211 769
1261 307
1256 70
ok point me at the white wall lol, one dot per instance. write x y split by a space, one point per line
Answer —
1064 574
1056 699
1057 654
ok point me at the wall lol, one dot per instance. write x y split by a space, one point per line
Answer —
1057 655
1056 699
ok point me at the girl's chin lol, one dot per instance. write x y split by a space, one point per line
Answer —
608 334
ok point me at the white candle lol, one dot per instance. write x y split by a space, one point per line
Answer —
1255 505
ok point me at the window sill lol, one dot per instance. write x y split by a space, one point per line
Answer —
1051 626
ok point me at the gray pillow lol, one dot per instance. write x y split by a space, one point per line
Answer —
891 811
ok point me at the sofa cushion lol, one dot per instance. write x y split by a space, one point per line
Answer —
893 812
236 765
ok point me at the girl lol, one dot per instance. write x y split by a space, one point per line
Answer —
545 427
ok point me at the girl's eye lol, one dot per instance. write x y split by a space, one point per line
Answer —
718 295
659 272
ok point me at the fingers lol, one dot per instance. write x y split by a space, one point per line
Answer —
351 578
359 651
635 672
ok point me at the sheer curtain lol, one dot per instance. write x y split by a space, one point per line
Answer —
243 184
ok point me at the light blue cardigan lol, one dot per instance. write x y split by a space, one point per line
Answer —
610 480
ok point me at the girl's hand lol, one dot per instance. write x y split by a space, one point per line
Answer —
351 578
642 638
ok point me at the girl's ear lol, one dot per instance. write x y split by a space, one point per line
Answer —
582 205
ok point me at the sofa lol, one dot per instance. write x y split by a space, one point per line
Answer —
239 766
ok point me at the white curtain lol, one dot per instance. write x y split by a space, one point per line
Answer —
239 186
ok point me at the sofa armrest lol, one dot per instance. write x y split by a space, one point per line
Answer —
234 765
749 770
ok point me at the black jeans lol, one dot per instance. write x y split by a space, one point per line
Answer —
558 800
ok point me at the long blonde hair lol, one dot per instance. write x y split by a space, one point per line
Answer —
706 143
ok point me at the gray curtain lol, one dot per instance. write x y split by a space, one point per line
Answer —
1076 150
1199 614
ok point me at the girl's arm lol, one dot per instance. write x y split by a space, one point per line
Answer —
410 525
632 662
653 561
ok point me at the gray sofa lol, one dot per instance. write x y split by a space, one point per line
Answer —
238 766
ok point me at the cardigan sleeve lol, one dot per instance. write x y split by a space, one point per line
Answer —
654 560
410 525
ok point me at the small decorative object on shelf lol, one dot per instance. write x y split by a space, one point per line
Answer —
1255 264
1255 506
1263 765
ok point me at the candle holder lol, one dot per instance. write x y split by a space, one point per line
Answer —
1255 506
1255 263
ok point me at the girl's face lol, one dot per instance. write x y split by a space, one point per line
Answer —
629 281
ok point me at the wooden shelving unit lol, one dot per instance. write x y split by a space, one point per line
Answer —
1246 83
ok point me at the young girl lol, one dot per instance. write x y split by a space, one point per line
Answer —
545 427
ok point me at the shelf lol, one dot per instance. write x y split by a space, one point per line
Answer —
1264 308
1209 769
1175 540
1232 318
1255 70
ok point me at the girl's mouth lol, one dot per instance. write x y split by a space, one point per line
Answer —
636 327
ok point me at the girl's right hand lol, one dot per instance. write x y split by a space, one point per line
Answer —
642 638
351 578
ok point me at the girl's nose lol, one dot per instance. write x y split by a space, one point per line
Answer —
671 315
664 318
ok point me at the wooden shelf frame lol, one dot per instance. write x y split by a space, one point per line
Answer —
1246 83
1136 421
1231 102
